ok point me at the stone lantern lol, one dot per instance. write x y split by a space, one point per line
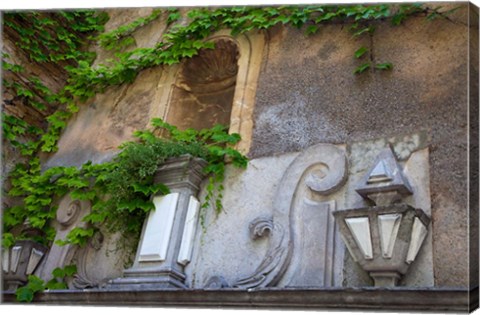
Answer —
21 260
384 239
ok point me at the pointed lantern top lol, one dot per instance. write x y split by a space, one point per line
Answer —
385 182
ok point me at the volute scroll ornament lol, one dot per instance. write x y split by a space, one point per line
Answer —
272 266
316 173
66 215
260 227
69 216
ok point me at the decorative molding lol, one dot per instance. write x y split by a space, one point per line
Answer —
35 257
272 264
167 236
322 170
67 215
183 172
159 228
188 236
385 182
15 258
260 227
438 300
81 279
325 179
5 260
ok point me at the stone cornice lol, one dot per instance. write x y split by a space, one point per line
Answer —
401 299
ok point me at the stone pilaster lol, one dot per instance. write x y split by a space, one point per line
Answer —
166 242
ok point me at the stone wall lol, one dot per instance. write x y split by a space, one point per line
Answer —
314 98
306 94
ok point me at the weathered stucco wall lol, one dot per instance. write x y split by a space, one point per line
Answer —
315 98
307 94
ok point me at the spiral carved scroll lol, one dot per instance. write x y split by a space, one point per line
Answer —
66 215
323 170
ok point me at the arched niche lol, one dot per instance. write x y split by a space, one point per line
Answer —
249 53
202 95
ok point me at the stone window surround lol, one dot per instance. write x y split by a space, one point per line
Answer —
250 47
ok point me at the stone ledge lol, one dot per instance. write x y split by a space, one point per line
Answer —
428 299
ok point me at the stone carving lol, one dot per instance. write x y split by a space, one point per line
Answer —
388 225
419 232
389 260
81 279
215 283
203 93
384 239
217 65
158 229
20 261
188 236
165 244
360 229
69 216
271 267
385 183
302 215
260 227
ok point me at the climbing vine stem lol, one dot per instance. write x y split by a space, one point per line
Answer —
62 38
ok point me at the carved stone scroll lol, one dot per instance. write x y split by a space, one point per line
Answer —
69 215
272 265
315 174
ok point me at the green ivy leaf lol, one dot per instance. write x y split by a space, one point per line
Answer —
96 217
35 283
77 236
7 240
80 194
24 294
70 270
384 66
360 52
311 29
369 29
58 273
56 285
362 68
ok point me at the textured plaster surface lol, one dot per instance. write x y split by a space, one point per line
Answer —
314 98
224 247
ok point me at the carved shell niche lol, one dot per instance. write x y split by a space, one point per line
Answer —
212 69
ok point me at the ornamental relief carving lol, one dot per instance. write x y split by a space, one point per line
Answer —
69 215
304 247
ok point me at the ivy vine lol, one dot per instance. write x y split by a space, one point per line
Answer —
36 284
179 41
120 190
62 38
